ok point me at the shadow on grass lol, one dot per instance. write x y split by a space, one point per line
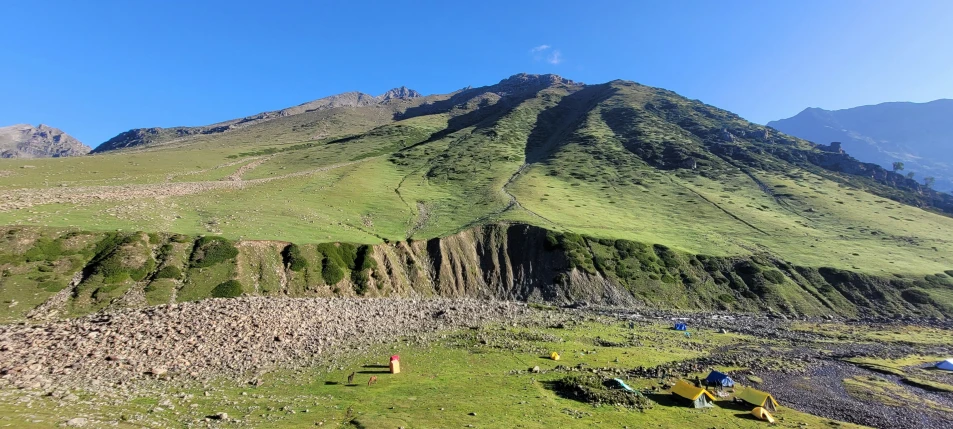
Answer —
355 424
748 416
664 399
375 372
331 383
553 386
376 366
733 405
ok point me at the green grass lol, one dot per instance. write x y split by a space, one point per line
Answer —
914 370
481 372
888 393
913 335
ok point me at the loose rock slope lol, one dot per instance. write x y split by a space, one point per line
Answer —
221 336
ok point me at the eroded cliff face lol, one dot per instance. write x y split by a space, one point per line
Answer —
48 274
511 262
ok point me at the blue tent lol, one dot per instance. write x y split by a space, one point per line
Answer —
681 326
719 379
946 365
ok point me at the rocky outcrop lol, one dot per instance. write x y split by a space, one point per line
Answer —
149 136
27 141
399 93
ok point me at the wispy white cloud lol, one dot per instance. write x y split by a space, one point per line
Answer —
546 53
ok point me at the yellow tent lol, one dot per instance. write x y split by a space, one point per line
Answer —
554 356
699 397
762 414
759 399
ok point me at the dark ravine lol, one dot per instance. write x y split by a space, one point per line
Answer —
497 261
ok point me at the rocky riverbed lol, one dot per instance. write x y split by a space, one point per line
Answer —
221 336
110 358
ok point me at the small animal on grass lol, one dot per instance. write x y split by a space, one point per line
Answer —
350 378
372 380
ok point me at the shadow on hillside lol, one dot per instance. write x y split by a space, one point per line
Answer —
484 112
555 124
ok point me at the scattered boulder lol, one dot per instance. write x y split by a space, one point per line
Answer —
77 422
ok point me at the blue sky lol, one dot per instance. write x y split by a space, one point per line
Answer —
97 68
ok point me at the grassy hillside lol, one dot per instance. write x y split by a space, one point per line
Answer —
611 161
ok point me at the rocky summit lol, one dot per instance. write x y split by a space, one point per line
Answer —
43 141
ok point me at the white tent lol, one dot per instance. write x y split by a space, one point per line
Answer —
945 365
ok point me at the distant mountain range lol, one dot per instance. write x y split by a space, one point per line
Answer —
920 135
27 141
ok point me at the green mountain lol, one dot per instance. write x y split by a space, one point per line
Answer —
535 188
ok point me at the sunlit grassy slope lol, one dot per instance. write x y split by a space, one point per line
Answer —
613 160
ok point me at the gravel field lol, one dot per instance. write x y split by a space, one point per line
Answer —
221 336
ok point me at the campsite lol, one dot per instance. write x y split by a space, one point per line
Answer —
616 369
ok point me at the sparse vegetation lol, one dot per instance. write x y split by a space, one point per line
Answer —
228 289
293 258
774 276
169 272
211 250
593 389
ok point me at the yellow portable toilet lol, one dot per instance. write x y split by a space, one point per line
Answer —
762 414
395 364
554 356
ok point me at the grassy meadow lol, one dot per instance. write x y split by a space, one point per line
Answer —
474 377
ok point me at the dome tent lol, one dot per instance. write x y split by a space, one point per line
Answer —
717 378
946 365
